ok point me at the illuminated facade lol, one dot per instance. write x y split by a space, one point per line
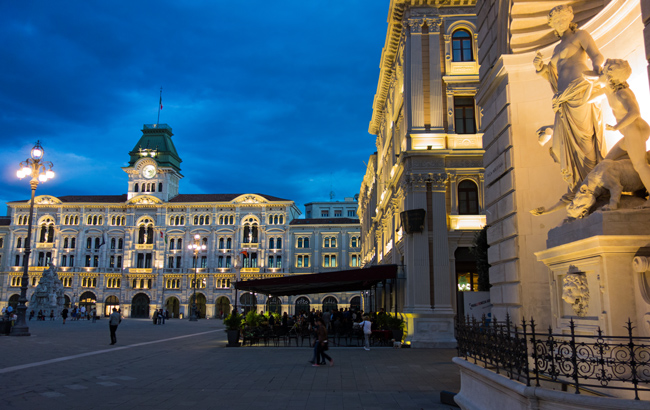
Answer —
428 164
132 250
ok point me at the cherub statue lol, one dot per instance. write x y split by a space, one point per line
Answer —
628 116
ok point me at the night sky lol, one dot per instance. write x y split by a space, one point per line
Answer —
269 97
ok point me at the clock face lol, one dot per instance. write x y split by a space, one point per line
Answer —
149 171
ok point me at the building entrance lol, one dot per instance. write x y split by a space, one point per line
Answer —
173 307
140 306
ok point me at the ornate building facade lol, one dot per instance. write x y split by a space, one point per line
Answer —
421 200
131 250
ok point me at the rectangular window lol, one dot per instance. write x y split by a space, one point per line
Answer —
329 261
71 260
228 261
170 262
464 120
324 213
119 261
178 262
278 261
87 261
352 213
338 213
64 260
111 263
220 262
96 261
271 262
204 261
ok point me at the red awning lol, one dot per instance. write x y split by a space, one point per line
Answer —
338 281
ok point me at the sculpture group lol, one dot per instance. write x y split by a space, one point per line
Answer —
48 295
577 132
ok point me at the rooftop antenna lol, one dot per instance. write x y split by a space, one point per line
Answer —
159 106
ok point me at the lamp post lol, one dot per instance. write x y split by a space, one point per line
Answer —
196 247
40 171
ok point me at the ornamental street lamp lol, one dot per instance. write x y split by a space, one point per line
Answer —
40 171
196 247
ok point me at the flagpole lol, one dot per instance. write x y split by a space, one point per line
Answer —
159 106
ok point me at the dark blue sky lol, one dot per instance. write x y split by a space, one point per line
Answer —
270 97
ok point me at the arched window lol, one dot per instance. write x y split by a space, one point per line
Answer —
73 243
220 243
119 243
171 244
207 220
97 243
65 244
299 243
205 242
228 243
271 243
467 198
461 45
306 243
196 220
279 243
89 243
179 244
19 243
135 188
201 220
112 243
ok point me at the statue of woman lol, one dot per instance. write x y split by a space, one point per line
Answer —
577 131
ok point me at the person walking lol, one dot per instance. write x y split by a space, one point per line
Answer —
113 322
94 314
64 314
322 344
366 324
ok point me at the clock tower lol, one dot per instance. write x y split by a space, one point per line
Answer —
154 165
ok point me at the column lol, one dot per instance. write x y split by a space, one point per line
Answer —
436 107
415 86
440 249
416 255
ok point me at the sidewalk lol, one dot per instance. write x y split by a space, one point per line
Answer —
186 364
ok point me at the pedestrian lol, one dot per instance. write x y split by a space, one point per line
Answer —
155 317
40 316
161 317
52 315
113 322
322 344
367 331
64 314
94 314
31 315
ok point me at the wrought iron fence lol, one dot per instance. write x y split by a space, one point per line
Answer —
582 361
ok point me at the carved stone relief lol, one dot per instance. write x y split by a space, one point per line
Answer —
575 291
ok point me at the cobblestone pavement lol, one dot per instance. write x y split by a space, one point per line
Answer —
185 364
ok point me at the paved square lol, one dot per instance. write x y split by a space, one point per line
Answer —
185 364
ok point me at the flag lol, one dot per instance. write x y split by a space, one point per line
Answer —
160 102
165 239
161 234
245 254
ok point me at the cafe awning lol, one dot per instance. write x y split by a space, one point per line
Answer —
338 281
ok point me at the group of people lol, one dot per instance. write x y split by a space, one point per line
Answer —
159 316
321 344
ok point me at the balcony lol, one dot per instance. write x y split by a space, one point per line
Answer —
143 246
44 245
250 245
466 222
250 270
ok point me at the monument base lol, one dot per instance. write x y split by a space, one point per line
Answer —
599 250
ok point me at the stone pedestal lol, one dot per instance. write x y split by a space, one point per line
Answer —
602 247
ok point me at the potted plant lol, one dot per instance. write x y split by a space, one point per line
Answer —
396 325
233 325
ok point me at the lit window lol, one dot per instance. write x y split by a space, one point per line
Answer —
461 44
467 198
464 119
